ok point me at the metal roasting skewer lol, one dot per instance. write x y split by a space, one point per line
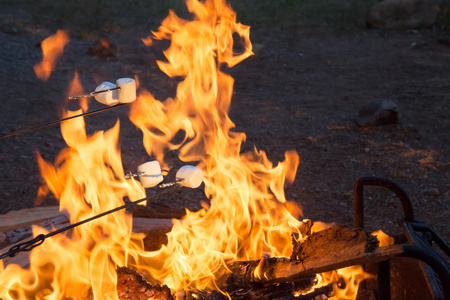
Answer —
91 94
60 120
39 239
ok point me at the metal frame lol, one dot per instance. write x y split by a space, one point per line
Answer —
418 246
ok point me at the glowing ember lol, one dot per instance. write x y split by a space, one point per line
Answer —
52 49
248 214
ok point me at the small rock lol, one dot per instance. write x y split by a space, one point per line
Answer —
403 14
431 192
378 114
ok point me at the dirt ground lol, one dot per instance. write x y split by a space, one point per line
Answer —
301 91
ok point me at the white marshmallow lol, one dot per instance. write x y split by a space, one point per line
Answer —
108 98
152 174
127 91
191 176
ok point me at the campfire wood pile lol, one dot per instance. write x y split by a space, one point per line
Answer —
280 278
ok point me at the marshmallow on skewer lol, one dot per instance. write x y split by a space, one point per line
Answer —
109 97
190 176
150 174
127 91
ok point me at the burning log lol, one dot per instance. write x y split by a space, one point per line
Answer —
132 286
259 291
327 250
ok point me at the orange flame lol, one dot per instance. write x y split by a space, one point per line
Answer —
352 277
88 179
248 214
52 49
385 240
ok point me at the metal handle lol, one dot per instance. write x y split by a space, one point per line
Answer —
358 198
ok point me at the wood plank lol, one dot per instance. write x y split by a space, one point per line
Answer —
20 234
154 229
28 216
23 258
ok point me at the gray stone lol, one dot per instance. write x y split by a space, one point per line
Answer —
403 14
378 113
431 192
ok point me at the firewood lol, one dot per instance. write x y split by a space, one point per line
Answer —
23 258
329 242
154 229
132 286
324 251
19 234
27 217
327 290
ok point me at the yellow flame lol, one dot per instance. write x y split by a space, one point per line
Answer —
88 179
52 49
248 214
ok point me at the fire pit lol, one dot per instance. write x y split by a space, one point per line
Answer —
247 242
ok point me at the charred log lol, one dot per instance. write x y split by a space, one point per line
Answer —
324 251
332 241
259 291
132 286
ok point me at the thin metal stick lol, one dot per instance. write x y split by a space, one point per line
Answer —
94 93
61 120
39 239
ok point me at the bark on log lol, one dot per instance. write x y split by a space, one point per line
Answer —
19 234
327 250
132 286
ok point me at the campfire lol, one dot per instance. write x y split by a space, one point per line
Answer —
247 242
